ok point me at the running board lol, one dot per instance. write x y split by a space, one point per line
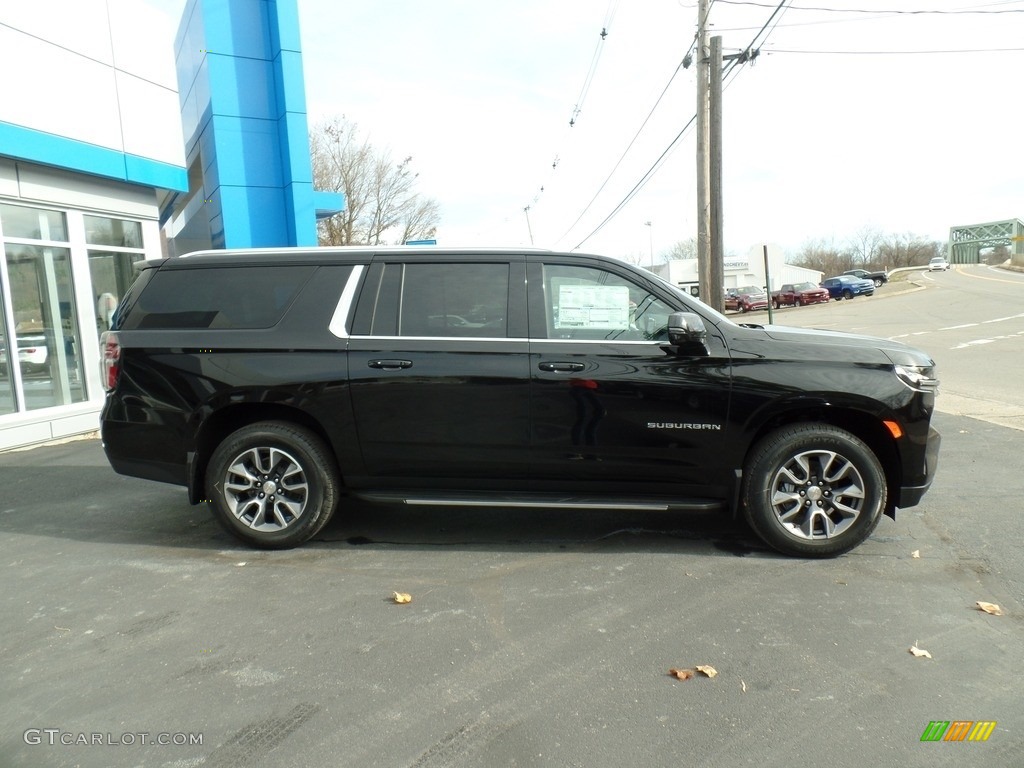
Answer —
545 501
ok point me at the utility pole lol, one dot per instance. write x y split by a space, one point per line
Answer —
704 278
716 276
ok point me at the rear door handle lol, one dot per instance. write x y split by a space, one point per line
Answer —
561 367
390 365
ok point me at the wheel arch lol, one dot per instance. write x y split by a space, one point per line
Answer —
867 426
221 423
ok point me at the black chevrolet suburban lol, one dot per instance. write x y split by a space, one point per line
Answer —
273 383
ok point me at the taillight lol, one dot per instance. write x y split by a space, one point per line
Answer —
111 351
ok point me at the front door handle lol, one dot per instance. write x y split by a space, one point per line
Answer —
390 365
561 367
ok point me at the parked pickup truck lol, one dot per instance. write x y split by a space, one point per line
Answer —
878 278
798 294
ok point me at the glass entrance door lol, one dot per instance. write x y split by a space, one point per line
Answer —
45 334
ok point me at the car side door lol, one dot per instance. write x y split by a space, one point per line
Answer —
611 402
438 363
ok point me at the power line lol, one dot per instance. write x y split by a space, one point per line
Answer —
594 60
730 70
896 53
885 11
611 173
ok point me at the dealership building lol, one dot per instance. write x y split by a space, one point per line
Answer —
121 141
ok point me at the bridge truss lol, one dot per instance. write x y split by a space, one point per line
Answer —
967 242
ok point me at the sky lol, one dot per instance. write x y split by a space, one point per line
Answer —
857 116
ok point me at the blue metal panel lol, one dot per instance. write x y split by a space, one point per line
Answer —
284 25
300 205
152 173
254 216
244 109
247 152
294 136
289 83
238 28
328 204
240 86
47 149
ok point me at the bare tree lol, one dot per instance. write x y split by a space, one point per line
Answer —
684 249
823 256
906 250
863 247
381 200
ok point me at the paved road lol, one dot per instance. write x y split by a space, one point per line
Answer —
970 319
531 639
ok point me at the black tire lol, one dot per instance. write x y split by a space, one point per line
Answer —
803 467
878 282
847 294
272 484
743 308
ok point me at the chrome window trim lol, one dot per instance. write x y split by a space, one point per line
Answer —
604 342
338 319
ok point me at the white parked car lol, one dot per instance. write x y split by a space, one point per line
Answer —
32 353
938 264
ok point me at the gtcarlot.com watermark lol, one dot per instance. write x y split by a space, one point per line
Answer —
53 737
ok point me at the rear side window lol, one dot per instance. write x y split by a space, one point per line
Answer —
219 297
443 300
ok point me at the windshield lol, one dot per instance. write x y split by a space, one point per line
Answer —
805 286
750 289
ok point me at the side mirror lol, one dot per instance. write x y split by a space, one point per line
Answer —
686 329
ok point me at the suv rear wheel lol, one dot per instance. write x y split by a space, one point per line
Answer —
272 484
813 490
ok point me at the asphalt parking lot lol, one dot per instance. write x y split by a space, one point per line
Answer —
131 619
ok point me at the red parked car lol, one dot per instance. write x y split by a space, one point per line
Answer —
746 298
799 294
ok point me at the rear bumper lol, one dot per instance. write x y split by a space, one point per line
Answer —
149 451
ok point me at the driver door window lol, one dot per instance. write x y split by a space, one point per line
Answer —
585 303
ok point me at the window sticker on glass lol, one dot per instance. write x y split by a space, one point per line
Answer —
604 307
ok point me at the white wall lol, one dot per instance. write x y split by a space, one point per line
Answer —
742 270
98 71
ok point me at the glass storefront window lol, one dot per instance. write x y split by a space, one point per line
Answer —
33 223
116 232
41 341
46 331
7 402
112 274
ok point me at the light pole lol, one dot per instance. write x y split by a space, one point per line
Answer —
650 233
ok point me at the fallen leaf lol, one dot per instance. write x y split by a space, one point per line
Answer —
707 670
919 652
402 598
916 554
743 686
681 674
991 608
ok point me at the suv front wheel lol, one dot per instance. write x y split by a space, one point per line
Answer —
813 490
272 484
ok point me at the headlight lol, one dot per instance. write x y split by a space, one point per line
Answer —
921 377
